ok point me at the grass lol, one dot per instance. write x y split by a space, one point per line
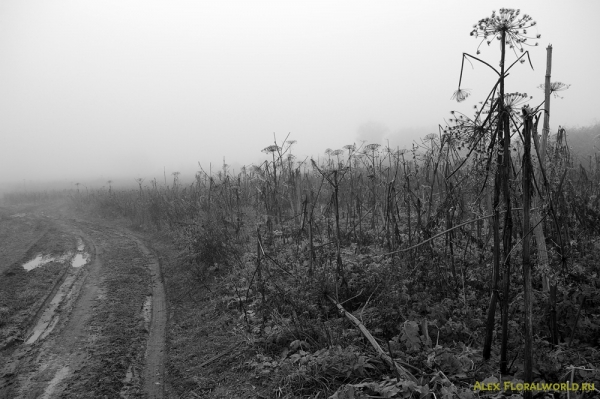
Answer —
203 322
260 269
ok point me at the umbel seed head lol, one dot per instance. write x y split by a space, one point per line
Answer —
507 22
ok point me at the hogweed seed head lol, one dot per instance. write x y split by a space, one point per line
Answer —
509 22
555 87
271 149
372 147
460 95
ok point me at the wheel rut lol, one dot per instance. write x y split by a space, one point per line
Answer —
55 362
154 371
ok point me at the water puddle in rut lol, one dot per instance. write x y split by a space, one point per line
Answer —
79 259
49 317
41 260
48 320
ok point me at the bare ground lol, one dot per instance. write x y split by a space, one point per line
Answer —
100 329
134 322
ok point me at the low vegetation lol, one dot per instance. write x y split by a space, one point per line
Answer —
393 238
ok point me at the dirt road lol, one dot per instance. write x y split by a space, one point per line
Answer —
96 323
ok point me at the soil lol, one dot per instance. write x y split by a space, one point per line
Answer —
92 331
112 312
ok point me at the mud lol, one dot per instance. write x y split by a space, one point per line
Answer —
51 358
77 260
154 371
46 323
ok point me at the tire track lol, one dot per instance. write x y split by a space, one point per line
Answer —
154 370
52 358
56 365
153 373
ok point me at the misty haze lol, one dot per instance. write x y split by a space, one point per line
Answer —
102 91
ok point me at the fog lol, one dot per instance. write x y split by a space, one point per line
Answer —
115 90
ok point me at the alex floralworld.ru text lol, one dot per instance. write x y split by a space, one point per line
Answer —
536 386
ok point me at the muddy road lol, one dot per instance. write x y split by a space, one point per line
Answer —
82 308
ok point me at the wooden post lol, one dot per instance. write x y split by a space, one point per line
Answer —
547 86
539 227
527 290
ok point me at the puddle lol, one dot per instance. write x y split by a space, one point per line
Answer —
80 245
49 328
80 258
41 260
58 377
37 262
147 312
49 318
128 376
126 391
48 321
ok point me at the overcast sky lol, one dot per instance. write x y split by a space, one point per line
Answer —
120 89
